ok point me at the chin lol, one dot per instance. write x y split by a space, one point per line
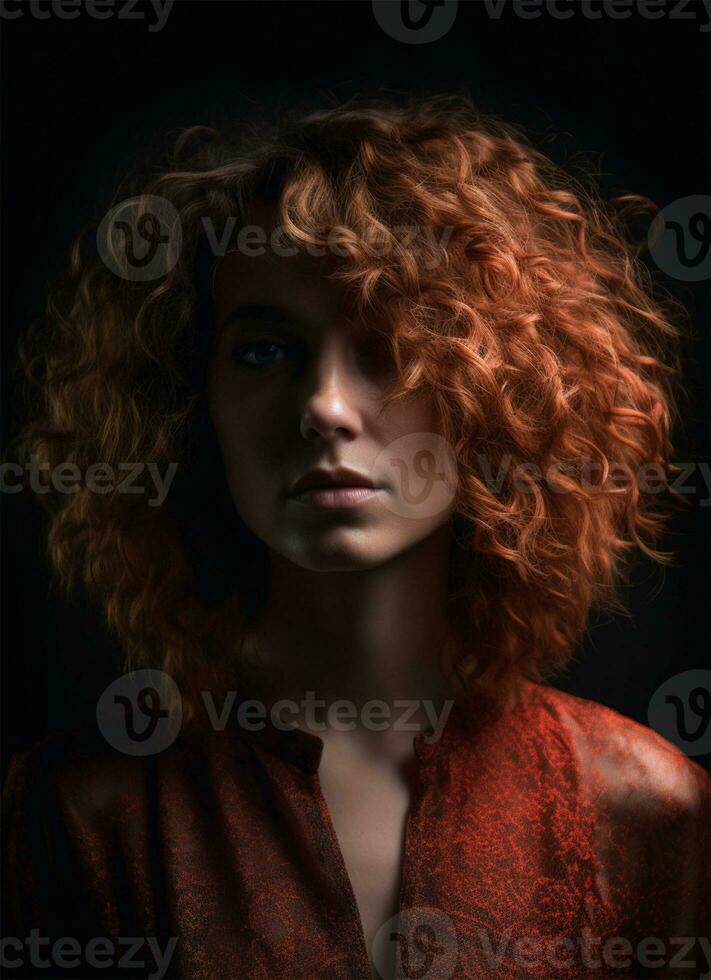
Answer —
336 556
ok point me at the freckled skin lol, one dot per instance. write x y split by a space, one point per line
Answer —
320 406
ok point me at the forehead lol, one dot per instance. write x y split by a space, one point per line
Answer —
258 271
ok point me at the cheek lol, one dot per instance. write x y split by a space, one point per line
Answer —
239 442
419 465
229 422
249 440
244 470
252 404
416 413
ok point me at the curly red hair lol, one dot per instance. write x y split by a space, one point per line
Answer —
536 331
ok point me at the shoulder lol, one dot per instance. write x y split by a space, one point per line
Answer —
70 767
620 761
75 772
646 809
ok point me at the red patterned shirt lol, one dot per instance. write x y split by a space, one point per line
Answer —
550 838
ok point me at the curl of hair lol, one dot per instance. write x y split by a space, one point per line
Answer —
552 362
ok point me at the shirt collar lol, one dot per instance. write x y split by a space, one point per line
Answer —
304 749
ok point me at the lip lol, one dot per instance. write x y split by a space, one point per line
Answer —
339 478
336 497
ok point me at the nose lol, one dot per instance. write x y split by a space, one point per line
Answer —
330 404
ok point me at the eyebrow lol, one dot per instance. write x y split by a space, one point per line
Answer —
256 311
267 312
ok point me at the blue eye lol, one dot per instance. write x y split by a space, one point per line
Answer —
263 349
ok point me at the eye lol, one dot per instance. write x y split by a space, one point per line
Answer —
258 353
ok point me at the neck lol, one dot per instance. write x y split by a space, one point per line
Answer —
359 635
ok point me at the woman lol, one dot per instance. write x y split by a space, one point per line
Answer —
410 373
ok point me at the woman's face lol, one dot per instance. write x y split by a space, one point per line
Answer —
296 383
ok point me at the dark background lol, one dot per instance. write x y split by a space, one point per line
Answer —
83 98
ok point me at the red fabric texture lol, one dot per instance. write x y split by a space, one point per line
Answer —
554 824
